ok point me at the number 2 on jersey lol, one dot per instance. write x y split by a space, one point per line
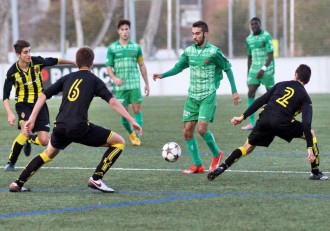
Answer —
284 99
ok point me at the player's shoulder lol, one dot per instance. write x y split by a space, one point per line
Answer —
12 69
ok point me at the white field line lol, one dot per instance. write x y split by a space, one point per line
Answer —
168 170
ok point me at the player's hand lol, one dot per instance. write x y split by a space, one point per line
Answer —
260 74
156 76
11 119
237 100
311 156
118 81
146 90
137 127
28 126
236 120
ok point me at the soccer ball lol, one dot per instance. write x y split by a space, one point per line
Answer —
171 152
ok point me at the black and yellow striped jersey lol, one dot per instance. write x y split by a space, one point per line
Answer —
28 84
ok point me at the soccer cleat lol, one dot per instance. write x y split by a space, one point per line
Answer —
216 162
15 188
248 127
318 176
194 169
10 167
99 185
27 148
212 175
135 140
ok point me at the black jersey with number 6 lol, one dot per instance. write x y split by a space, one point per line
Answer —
79 89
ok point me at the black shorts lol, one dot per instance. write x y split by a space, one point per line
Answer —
269 126
24 111
89 135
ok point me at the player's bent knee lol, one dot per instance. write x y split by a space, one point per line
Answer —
119 146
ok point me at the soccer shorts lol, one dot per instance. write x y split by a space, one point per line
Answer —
200 110
269 126
267 79
129 97
89 135
24 111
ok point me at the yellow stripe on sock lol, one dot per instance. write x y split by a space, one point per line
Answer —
243 150
21 139
314 140
108 161
45 157
120 146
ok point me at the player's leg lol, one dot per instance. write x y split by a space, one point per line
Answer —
16 148
231 159
135 98
252 89
97 136
35 164
316 174
206 115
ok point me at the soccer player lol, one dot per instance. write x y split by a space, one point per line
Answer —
281 104
123 59
72 124
207 64
26 76
260 52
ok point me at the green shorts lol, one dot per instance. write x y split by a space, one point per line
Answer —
267 79
200 110
129 97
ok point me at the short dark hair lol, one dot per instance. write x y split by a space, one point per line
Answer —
20 45
304 73
255 19
85 57
124 22
202 25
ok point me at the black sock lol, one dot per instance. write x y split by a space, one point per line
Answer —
109 158
232 158
316 162
29 170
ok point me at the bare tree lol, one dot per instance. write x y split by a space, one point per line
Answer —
77 20
147 41
4 30
105 26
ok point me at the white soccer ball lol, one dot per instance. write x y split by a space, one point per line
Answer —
171 152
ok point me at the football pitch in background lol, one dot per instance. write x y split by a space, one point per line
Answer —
267 190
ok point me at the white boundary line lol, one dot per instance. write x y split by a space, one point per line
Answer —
170 170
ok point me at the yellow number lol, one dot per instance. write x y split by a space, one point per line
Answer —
284 100
74 90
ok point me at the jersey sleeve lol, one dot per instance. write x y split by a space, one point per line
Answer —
45 61
9 82
248 49
178 67
139 55
55 88
109 62
101 90
269 44
307 115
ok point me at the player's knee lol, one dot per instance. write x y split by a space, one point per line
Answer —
202 130
43 140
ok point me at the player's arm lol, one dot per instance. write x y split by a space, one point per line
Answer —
143 70
178 67
6 94
112 75
66 61
118 107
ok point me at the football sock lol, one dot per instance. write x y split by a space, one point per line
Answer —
316 163
251 117
109 158
33 139
192 147
32 168
16 148
138 117
209 139
126 125
234 156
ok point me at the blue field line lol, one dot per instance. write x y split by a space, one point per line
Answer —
161 200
